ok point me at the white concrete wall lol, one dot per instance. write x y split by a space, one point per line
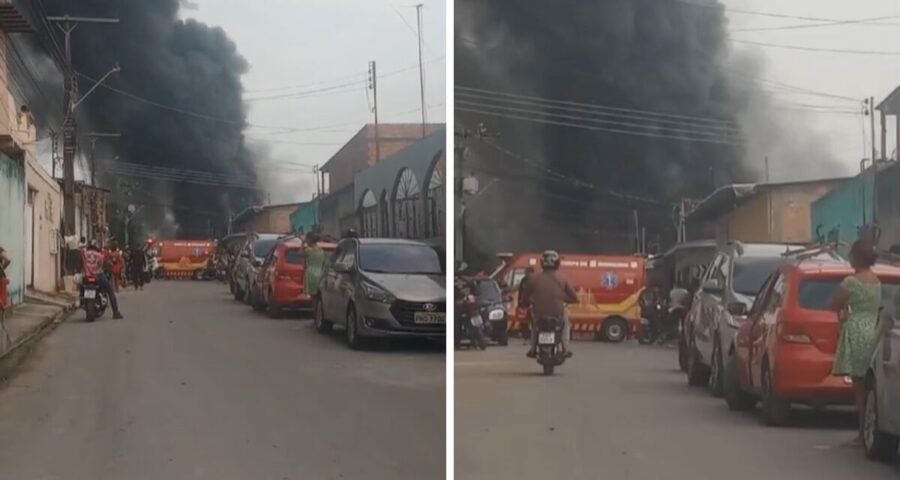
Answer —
47 201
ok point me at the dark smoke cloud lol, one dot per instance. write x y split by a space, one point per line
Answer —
655 55
186 64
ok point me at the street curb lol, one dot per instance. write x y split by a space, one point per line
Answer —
14 357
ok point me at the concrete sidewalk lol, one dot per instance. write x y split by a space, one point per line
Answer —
24 322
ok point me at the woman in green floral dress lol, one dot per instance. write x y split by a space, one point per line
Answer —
315 264
857 302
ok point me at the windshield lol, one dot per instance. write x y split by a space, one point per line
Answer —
487 291
399 259
750 274
816 294
294 256
261 248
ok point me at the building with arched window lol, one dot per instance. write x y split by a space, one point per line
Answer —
403 195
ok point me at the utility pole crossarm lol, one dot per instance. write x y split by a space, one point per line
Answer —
67 18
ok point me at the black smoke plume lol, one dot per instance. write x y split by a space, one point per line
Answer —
649 55
179 63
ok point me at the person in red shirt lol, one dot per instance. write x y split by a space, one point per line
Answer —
93 263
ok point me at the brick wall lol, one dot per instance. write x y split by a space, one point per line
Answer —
359 152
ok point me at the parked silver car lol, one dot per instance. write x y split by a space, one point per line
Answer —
248 262
882 417
728 289
383 288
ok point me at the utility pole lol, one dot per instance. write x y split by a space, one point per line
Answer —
884 153
767 170
421 67
68 24
91 161
373 84
872 123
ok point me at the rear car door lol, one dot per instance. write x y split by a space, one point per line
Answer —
764 326
710 299
890 366
345 283
330 281
268 272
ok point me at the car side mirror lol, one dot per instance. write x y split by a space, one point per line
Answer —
712 286
340 268
738 309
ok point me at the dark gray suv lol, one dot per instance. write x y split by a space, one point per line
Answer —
728 288
383 288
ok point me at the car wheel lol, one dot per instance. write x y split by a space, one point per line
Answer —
354 340
682 354
323 326
272 310
503 335
775 411
238 294
615 330
737 399
716 368
697 373
880 446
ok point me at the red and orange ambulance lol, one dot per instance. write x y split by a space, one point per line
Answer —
608 288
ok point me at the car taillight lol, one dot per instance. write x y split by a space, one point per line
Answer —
793 333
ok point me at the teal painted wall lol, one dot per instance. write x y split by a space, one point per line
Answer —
840 212
12 224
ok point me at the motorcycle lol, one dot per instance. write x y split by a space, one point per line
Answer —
471 323
550 353
651 328
93 300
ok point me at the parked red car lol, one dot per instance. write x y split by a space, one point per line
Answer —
280 282
784 350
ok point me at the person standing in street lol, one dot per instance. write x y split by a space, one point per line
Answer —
857 302
4 294
315 264
137 266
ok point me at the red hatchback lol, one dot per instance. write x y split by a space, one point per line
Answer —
281 277
785 348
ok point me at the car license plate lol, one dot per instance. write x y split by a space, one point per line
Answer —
429 318
90 294
546 338
477 321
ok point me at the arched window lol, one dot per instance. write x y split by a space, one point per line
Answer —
406 205
435 199
384 209
368 213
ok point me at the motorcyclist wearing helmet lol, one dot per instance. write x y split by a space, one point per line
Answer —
547 293
94 264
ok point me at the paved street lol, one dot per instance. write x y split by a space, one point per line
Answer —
625 412
192 385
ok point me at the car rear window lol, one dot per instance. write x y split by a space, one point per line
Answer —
816 294
261 248
294 256
751 272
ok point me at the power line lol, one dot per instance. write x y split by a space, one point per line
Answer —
702 134
342 88
592 127
819 25
727 126
361 76
719 7
817 49
563 176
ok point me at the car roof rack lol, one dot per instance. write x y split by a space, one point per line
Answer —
815 249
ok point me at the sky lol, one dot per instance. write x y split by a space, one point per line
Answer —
323 47
848 75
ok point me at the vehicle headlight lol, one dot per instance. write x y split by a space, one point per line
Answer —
496 314
377 294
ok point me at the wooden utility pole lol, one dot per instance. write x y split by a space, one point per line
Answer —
68 24
373 84
421 67
884 153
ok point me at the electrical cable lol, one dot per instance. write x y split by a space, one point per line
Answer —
817 49
818 25
479 100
